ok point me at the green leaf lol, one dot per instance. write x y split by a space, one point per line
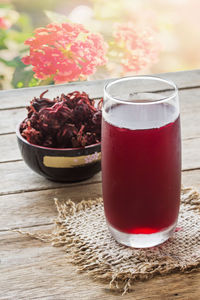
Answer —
6 5
20 84
55 17
24 23
22 76
33 82
17 36
3 36
15 62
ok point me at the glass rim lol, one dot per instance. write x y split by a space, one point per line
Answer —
127 78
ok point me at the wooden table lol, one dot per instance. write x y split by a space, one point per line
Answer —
30 269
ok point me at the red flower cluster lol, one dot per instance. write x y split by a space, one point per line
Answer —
65 52
138 47
67 121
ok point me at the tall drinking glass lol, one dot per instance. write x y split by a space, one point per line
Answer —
141 159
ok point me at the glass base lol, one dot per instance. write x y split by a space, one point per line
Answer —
142 240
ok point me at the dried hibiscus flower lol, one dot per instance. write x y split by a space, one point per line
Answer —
68 121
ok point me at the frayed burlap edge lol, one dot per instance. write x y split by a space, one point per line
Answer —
77 254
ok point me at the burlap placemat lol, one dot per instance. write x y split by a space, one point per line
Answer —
82 230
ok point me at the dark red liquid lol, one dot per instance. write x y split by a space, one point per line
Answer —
141 171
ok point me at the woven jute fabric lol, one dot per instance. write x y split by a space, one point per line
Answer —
81 228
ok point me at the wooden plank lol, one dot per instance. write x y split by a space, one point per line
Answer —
31 269
34 208
190 124
189 100
9 148
10 118
21 97
28 180
17 177
191 178
190 113
37 208
191 153
34 270
11 171
190 110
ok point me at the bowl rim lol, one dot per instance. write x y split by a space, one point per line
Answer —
50 148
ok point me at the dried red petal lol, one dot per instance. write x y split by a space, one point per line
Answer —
68 121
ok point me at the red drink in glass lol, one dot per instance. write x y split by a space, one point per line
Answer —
141 175
141 170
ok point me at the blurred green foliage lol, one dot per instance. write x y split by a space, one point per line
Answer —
12 48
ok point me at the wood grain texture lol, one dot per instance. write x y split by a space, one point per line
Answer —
190 115
191 154
38 208
9 119
30 269
21 97
34 270
18 169
9 148
190 149
17 177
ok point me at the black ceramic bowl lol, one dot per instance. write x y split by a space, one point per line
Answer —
64 165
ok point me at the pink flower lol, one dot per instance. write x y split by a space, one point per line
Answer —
138 47
4 23
65 52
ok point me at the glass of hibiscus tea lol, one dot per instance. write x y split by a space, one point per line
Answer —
141 159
